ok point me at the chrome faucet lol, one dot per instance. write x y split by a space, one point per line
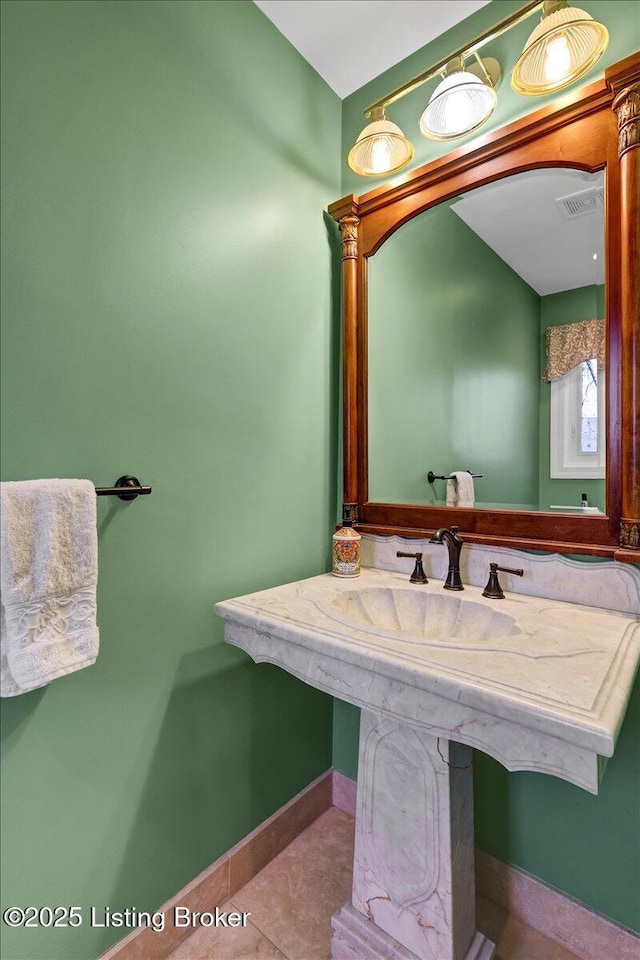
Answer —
454 544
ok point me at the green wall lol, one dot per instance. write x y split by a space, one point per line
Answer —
168 312
570 306
587 846
453 365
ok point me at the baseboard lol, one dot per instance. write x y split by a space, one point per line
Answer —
343 795
583 931
232 870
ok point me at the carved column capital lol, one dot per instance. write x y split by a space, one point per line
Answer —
630 534
349 232
350 512
627 107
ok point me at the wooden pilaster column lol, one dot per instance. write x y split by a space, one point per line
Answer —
627 107
349 233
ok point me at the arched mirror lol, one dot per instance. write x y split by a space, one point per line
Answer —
487 349
491 342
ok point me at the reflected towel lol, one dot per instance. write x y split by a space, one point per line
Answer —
460 489
48 578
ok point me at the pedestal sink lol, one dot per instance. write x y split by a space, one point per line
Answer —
538 684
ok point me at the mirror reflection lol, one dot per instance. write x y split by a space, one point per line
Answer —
486 349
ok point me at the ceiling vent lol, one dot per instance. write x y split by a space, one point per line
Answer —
588 177
581 203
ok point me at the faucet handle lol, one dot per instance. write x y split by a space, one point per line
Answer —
418 575
493 588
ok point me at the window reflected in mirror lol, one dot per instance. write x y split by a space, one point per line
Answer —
588 418
577 424
486 349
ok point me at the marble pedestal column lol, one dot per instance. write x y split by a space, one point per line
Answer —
413 876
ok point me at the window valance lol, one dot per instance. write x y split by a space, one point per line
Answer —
572 344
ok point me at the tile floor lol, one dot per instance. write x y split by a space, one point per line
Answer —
292 900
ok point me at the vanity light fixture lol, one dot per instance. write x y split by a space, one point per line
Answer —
564 46
462 101
381 147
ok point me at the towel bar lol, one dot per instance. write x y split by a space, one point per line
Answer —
131 485
431 476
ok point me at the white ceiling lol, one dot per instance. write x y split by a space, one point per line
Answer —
519 218
349 42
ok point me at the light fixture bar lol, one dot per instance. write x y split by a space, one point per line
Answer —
466 51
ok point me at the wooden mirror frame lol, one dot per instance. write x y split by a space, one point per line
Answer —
588 128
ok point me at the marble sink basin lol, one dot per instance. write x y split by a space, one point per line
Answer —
538 684
416 616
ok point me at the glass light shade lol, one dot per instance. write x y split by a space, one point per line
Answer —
381 148
564 45
460 103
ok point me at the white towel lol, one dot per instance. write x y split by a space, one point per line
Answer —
460 489
48 578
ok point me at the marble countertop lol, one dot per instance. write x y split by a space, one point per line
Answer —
550 668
